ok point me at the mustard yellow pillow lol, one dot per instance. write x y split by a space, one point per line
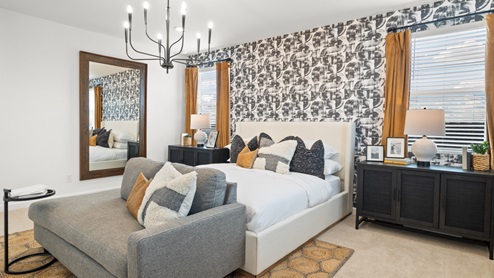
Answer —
92 140
246 157
134 200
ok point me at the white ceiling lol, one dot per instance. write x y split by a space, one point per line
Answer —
235 21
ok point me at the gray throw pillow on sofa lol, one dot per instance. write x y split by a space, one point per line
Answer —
211 187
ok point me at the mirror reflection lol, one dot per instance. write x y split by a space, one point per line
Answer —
112 114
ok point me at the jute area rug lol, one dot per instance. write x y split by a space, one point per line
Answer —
316 259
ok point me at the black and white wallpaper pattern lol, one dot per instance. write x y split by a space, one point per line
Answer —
330 73
121 93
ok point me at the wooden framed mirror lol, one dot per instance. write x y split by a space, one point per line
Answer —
112 95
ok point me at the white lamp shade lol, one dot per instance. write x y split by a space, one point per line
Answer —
425 122
198 121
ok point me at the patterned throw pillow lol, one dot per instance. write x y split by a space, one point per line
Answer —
238 145
134 200
307 161
169 196
246 158
276 157
265 140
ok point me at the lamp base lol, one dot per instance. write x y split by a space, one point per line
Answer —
423 163
200 138
200 145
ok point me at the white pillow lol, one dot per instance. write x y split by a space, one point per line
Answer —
276 157
110 139
328 150
169 196
122 136
119 145
331 167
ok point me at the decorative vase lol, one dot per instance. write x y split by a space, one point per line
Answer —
481 162
188 141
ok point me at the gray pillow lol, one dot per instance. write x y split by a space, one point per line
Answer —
211 187
238 145
307 161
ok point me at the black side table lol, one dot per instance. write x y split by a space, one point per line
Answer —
6 200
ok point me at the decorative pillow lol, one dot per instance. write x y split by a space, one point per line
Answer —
307 161
119 145
98 130
122 136
328 150
331 167
134 200
246 157
238 145
265 140
92 140
169 196
102 139
276 157
110 140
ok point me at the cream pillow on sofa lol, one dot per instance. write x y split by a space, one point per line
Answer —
169 196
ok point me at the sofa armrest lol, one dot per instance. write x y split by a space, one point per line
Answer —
210 243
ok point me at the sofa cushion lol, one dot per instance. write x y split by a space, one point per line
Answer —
97 224
137 194
134 166
211 187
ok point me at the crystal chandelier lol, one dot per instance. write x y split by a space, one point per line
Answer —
164 56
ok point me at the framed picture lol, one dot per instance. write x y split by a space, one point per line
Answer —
395 147
213 136
375 153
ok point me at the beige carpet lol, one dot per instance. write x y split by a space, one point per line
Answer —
316 259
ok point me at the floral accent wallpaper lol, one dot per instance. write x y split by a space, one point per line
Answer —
330 73
121 95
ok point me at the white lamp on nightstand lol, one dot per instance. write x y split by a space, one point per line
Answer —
199 121
424 122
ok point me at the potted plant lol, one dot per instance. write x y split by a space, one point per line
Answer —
188 140
480 158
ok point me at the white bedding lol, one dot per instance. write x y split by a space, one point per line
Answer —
271 197
98 153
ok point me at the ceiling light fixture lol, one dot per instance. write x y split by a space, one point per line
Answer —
167 59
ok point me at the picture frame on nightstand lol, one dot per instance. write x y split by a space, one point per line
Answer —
395 147
213 137
375 153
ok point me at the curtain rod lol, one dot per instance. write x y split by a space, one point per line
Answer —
229 60
394 29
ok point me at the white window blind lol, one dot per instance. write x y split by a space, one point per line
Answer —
206 94
448 72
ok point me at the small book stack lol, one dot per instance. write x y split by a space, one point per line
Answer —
400 161
29 191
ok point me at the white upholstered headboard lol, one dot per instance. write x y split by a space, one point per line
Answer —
131 127
340 135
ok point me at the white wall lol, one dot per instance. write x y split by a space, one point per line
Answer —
39 104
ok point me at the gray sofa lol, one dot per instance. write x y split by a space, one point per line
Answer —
95 236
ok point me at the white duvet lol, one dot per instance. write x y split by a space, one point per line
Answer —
98 153
271 197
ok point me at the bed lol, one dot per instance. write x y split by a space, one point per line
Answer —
107 158
266 245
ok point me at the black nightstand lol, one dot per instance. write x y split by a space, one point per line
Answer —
132 149
197 155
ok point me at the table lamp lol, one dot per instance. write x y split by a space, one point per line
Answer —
199 121
424 122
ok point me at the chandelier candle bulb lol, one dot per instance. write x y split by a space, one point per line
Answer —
183 10
146 7
210 29
129 12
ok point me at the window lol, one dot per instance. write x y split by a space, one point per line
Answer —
206 94
447 72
